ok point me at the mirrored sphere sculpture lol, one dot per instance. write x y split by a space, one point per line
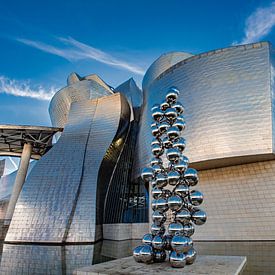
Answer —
171 189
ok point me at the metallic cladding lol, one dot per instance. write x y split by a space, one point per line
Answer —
58 201
227 96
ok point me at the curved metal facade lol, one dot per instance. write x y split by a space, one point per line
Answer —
60 199
228 99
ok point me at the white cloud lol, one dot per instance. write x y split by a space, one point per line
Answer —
259 24
76 50
18 88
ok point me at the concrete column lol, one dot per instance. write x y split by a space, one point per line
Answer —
19 181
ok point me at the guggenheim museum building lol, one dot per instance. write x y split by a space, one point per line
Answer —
87 185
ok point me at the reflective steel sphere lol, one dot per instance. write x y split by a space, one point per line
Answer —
180 244
167 143
161 180
161 204
156 160
155 141
171 114
147 174
180 166
179 107
175 228
173 177
182 190
157 229
199 217
196 197
191 176
164 105
172 95
188 230
156 192
136 253
158 217
157 114
173 132
177 259
158 242
183 216
147 239
173 154
180 144
155 131
181 125
191 256
146 254
157 150
175 202
159 256
163 127
154 107
157 169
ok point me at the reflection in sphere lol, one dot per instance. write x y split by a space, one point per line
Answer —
181 117
158 217
175 228
167 143
157 150
161 205
157 114
182 190
171 114
157 169
191 176
173 132
161 180
136 253
146 254
173 177
156 192
175 202
180 244
180 144
157 229
168 240
199 217
147 174
185 159
179 107
155 131
183 216
155 141
159 256
191 256
180 166
156 160
172 95
196 197
188 230
181 125
158 242
177 259
163 127
164 105
173 154
147 239
154 204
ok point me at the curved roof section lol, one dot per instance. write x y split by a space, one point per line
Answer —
160 65
78 89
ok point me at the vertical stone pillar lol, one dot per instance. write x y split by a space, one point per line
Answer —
19 181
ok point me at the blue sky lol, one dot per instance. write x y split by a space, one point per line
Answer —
41 42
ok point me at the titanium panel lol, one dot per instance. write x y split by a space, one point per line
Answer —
227 97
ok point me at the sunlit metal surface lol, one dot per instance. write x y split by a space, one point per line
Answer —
228 98
66 188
